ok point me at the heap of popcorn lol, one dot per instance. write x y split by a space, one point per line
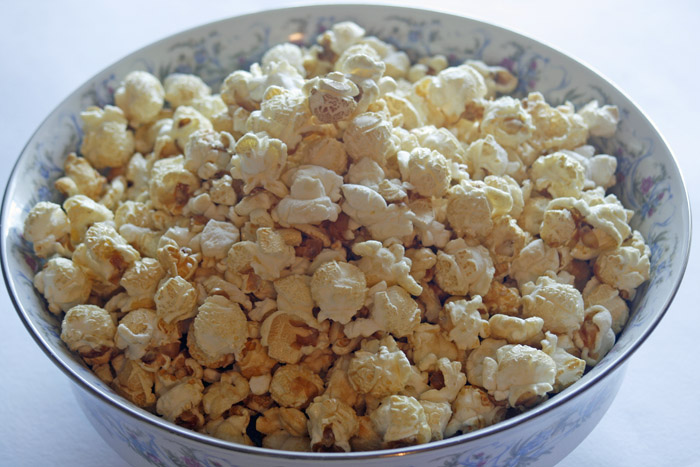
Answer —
342 250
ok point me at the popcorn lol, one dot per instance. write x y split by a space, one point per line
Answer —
48 228
312 199
80 179
63 284
624 268
171 184
519 373
89 330
427 171
219 331
598 293
558 174
220 396
569 368
401 421
379 263
369 135
380 373
176 300
107 142
104 253
446 380
295 386
82 212
515 330
507 122
463 323
181 403
392 310
355 251
463 270
339 290
555 127
437 414
283 115
331 98
471 410
217 238
331 425
140 96
288 337
259 161
559 305
135 332
208 152
182 89
601 121
452 89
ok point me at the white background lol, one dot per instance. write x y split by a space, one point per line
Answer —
649 49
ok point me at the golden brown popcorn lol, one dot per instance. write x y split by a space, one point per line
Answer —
288 337
220 396
473 409
331 425
80 179
232 428
105 254
133 382
295 386
181 404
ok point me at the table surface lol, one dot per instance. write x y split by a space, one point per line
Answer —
649 49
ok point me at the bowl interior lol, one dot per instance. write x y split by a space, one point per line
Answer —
649 179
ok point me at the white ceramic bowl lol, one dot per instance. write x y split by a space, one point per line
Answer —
649 182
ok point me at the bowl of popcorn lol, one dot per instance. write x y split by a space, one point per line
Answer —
344 234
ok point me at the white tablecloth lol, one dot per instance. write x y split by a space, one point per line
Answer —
650 49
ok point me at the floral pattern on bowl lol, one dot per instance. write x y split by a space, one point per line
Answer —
649 183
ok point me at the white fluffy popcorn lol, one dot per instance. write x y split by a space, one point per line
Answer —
624 268
104 254
401 421
182 89
88 329
473 409
559 305
558 174
427 171
63 283
339 290
107 141
217 238
369 135
334 416
462 269
380 373
47 226
259 161
283 115
219 331
140 96
519 374
176 299
208 152
462 321
312 198
171 185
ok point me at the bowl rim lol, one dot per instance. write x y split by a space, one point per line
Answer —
157 422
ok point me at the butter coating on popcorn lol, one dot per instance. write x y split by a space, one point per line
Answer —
342 249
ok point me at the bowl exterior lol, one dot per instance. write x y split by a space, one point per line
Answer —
649 182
